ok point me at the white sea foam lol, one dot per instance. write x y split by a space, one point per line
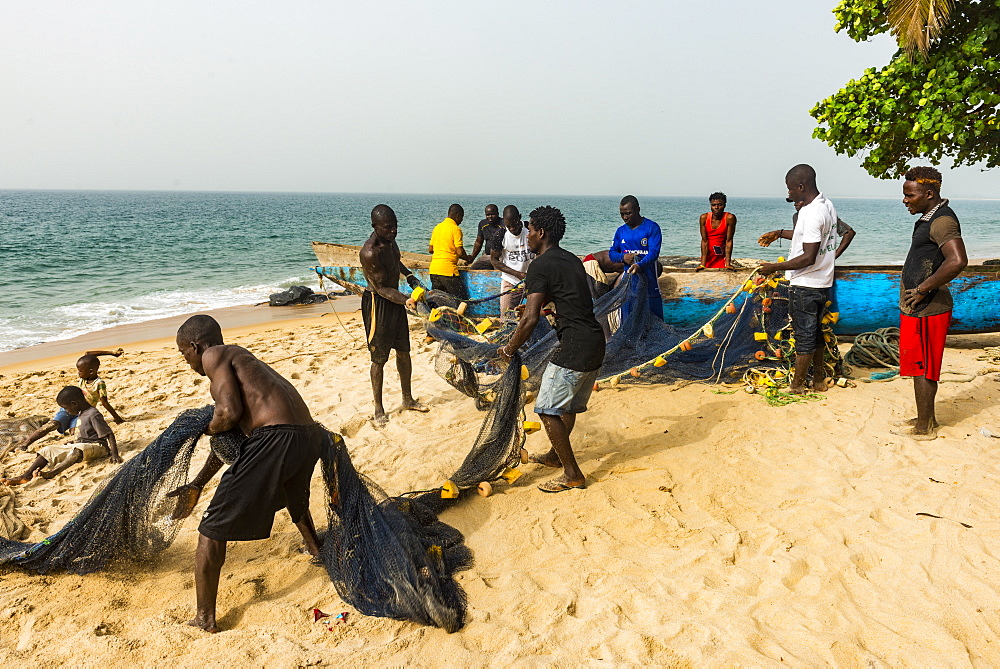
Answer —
70 321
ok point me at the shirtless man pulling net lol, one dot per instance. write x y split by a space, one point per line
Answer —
272 470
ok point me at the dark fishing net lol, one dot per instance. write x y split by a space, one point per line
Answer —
386 556
640 347
128 518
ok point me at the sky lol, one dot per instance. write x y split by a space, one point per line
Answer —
664 97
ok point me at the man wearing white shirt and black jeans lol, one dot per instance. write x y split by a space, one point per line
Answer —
809 270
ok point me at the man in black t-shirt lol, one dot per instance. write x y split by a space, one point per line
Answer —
490 237
557 276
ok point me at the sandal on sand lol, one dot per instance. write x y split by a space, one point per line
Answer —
555 485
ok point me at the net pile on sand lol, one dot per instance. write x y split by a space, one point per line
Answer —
386 556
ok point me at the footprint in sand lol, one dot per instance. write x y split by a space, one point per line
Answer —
350 427
800 569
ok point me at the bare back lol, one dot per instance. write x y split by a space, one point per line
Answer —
249 393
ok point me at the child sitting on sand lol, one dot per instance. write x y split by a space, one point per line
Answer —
94 439
94 389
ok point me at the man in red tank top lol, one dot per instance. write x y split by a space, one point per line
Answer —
717 230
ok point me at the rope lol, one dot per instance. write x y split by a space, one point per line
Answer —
322 287
685 345
991 354
875 349
516 288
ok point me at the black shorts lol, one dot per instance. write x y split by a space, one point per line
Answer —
385 325
272 472
806 306
453 285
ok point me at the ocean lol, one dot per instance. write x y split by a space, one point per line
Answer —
73 262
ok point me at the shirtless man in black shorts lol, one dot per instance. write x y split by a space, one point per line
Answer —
274 465
383 308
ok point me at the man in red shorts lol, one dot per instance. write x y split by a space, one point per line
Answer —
937 255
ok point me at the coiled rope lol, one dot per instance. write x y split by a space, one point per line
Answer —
875 349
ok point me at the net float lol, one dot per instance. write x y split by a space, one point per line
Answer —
615 381
730 308
686 345
767 301
531 426
525 373
461 308
660 361
709 331
449 490
635 372
435 315
510 475
759 280
760 336
485 489
484 325
418 294
766 310
524 456
597 386
760 355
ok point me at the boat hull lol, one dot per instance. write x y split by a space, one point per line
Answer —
865 296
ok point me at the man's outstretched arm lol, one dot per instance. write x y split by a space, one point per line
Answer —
188 494
810 251
525 326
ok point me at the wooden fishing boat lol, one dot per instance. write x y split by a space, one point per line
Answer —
866 296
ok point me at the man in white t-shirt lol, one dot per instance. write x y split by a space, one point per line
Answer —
809 271
511 258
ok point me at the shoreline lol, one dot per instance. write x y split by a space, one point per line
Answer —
237 319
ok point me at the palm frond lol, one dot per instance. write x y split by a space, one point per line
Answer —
917 23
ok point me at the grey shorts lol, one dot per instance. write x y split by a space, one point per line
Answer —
564 391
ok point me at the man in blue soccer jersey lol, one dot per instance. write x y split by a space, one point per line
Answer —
637 244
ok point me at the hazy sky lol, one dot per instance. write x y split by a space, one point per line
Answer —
663 97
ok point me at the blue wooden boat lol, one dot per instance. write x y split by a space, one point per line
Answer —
866 296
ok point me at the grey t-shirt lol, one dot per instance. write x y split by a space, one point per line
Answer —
91 426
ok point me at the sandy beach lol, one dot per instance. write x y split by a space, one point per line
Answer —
716 530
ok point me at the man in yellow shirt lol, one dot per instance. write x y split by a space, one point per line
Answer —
446 250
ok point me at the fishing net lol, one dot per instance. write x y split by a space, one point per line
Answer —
129 516
747 340
386 556
389 556
12 430
640 347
